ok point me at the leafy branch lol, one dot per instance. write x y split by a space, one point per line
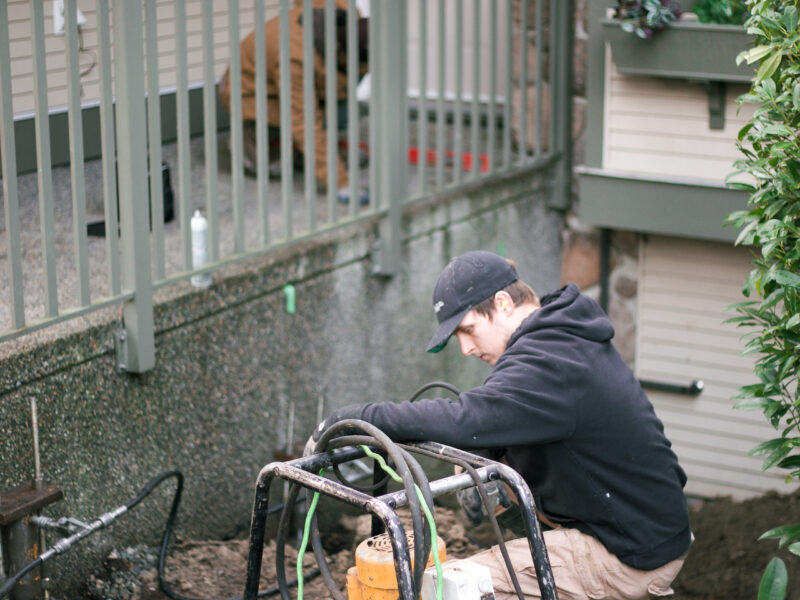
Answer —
770 147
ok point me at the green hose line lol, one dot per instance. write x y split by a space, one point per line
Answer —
304 543
428 516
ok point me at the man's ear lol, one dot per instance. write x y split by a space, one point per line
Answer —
503 302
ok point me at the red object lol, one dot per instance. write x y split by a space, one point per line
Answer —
466 158
449 155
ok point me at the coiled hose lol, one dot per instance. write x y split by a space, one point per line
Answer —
345 433
353 432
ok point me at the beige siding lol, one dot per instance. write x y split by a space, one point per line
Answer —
55 47
655 126
466 50
684 289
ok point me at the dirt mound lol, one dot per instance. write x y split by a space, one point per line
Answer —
726 560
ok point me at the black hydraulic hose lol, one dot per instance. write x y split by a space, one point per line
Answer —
435 384
101 522
422 483
398 456
370 487
478 484
492 519
336 435
9 583
104 520
419 477
283 584
280 542
316 546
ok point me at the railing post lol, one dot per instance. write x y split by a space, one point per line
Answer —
136 344
562 20
389 157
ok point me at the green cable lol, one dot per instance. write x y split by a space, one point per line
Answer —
398 479
428 516
304 543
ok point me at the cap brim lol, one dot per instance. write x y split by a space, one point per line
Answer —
445 330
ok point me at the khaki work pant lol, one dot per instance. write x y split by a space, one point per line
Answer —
582 568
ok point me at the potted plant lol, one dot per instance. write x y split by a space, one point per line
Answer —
654 37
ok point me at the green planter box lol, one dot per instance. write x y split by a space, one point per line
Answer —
684 50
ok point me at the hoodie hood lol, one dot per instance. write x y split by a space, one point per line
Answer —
567 311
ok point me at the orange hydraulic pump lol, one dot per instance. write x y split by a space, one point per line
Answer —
373 577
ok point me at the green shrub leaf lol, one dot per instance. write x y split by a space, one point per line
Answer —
790 18
774 581
794 548
787 278
753 54
784 534
770 162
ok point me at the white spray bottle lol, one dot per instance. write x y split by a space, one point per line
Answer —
200 249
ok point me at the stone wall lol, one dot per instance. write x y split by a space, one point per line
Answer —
232 362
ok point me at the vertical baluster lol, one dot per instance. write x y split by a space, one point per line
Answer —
237 123
540 77
373 119
509 72
77 172
352 104
210 130
287 186
476 88
458 118
331 108
422 115
440 123
154 139
184 147
309 113
523 79
8 162
44 166
492 117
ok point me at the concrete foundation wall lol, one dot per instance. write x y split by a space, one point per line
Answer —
231 361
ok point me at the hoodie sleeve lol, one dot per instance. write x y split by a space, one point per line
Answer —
519 404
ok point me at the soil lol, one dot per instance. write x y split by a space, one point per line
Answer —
726 560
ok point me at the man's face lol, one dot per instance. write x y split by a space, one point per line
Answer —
482 337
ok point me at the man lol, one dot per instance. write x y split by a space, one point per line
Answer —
561 407
272 42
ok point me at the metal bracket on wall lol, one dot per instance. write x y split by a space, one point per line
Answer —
716 104
121 347
693 389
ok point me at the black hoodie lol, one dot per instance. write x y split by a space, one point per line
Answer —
569 416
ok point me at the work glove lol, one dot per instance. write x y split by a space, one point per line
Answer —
351 411
308 449
343 196
471 503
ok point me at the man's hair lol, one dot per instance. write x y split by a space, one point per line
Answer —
520 292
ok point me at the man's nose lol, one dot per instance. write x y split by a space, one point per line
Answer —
466 345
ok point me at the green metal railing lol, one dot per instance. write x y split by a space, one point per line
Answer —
461 134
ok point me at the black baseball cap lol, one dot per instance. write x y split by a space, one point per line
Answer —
466 281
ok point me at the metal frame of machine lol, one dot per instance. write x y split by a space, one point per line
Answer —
302 471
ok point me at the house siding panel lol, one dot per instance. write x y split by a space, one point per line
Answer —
684 289
661 127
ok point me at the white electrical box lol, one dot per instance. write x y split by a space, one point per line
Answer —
461 580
